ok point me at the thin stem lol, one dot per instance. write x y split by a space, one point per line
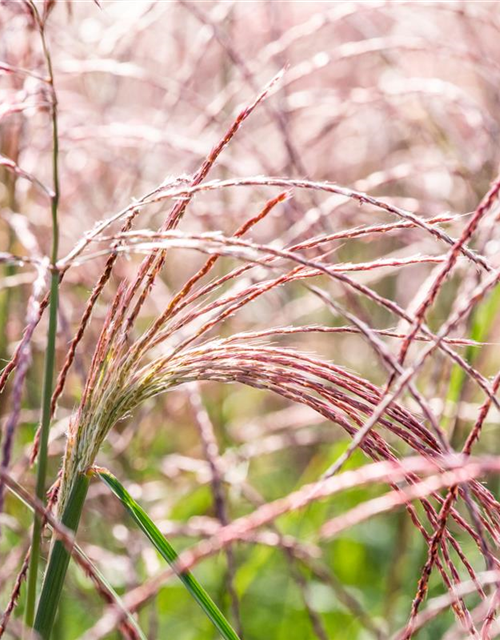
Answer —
48 377
42 457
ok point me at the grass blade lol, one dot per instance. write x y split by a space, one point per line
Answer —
167 551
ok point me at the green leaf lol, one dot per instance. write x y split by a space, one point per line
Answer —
167 551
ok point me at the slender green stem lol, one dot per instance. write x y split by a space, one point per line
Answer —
59 561
48 377
42 455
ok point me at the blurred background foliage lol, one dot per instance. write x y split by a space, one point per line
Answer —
398 99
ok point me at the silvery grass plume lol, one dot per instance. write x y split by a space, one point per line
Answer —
120 381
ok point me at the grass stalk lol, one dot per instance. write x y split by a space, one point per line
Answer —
48 376
42 456
59 561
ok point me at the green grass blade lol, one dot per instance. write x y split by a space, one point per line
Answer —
167 551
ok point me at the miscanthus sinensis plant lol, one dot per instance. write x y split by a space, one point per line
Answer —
176 350
190 341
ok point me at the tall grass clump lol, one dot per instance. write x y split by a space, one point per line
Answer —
301 377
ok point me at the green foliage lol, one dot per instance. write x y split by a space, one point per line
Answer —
166 550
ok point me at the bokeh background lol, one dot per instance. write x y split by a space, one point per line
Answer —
397 99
